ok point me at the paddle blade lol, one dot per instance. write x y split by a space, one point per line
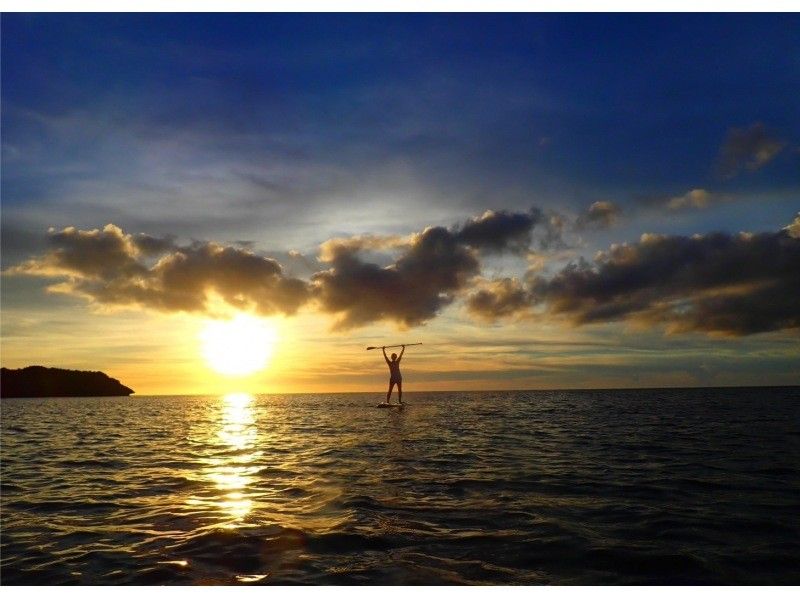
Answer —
371 348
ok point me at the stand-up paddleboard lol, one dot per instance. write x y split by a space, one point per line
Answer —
391 405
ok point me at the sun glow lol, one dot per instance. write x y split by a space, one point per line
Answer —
239 346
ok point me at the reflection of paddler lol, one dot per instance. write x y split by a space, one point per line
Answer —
394 373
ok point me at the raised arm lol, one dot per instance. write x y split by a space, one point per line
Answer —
384 354
401 354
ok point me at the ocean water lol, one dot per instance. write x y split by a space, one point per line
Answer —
570 487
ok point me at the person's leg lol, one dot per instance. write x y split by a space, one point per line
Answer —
400 390
389 394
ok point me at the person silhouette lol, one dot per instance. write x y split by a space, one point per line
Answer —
394 374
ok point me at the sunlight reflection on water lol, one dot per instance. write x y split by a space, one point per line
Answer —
232 468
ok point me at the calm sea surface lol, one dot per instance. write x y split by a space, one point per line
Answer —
576 487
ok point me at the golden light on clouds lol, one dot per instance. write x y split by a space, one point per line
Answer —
239 346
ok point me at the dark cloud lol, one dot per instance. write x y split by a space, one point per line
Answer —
500 298
423 280
149 246
501 231
600 215
516 232
106 266
94 254
747 148
718 283
434 267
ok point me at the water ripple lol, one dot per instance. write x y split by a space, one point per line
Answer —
624 487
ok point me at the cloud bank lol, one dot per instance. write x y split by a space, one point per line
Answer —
115 269
719 283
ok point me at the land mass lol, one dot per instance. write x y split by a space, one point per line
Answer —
39 381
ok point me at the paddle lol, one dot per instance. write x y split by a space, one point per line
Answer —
392 346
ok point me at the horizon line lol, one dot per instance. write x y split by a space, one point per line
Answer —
355 392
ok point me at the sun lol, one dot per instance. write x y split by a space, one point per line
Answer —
239 346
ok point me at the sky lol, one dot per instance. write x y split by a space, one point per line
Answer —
542 200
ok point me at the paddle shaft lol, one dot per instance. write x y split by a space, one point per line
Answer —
393 346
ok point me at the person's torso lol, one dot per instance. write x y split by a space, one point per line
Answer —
394 368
